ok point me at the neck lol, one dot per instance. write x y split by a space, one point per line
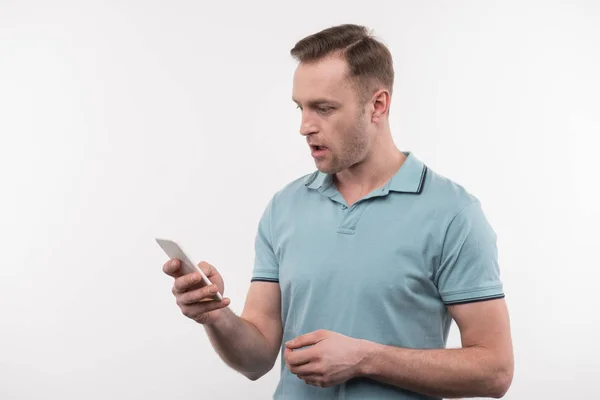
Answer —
382 162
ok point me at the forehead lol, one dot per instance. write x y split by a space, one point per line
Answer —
322 79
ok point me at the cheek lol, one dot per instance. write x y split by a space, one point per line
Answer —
340 133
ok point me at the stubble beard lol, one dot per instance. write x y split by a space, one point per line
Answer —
351 151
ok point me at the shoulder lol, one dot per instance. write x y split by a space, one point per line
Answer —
446 197
291 193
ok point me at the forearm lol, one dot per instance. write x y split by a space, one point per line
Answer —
240 344
449 373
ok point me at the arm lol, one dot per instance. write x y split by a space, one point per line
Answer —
250 343
467 274
483 367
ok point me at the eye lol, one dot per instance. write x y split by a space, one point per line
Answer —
324 110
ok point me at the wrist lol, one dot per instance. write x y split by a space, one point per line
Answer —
367 357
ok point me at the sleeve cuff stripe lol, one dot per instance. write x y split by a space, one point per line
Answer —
475 299
264 280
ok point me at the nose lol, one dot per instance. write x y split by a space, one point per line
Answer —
307 126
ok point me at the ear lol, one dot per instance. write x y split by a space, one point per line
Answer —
381 105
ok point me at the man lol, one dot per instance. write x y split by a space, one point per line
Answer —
362 265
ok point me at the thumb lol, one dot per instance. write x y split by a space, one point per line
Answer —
307 339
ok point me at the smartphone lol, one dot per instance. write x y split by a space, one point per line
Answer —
174 250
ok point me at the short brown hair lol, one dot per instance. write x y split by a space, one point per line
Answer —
369 61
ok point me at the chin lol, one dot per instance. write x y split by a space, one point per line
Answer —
328 166
327 169
323 168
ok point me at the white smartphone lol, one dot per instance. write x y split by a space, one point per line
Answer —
174 250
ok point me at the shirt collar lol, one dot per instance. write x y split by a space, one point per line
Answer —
409 178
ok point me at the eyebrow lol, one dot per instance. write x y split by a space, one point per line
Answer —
319 101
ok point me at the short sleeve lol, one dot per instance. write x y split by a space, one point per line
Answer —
469 269
266 267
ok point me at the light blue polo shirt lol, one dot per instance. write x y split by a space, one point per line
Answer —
383 269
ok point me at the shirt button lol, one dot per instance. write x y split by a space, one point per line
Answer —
344 207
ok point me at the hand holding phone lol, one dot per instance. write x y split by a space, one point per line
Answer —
194 296
174 250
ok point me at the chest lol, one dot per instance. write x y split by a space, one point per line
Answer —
373 248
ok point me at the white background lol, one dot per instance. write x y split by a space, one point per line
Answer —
122 121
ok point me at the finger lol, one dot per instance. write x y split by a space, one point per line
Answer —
186 282
305 340
313 380
310 368
208 269
197 310
173 268
301 357
308 378
198 295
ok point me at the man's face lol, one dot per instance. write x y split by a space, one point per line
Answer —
332 117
